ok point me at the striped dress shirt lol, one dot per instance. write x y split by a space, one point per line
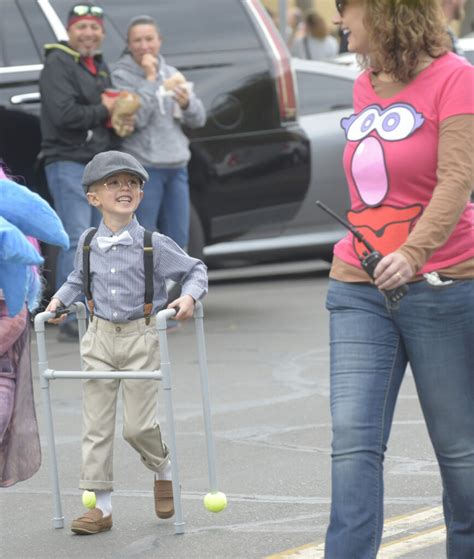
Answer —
117 275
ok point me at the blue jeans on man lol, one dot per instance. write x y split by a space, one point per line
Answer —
165 203
432 329
70 202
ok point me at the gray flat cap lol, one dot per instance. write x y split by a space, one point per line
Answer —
108 163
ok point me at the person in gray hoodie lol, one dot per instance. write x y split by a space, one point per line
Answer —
158 141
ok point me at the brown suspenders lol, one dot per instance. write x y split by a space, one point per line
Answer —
148 268
86 276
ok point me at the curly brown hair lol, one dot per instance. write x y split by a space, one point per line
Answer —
401 33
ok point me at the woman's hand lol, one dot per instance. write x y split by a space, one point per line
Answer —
184 305
149 63
181 96
53 305
393 271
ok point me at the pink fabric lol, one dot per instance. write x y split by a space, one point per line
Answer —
20 451
11 328
36 244
390 160
7 401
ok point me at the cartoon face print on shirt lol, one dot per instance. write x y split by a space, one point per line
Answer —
386 227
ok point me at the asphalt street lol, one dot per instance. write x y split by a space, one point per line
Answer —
267 343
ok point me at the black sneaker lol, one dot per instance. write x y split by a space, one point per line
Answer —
68 332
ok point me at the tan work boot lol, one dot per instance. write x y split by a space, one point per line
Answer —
164 505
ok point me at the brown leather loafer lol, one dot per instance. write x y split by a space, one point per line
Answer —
164 505
92 522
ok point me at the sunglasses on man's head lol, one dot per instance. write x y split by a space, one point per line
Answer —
83 10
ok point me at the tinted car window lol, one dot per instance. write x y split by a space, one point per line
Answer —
16 45
38 23
319 93
182 34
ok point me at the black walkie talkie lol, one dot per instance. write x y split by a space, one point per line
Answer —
371 258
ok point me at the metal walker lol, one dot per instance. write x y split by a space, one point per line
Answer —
163 374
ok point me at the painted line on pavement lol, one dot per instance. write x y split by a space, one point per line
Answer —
406 522
392 527
403 546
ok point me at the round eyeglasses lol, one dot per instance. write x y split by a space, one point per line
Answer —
114 185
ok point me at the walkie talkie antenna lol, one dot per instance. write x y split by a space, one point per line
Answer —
357 234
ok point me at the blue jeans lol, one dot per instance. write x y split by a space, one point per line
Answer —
165 204
371 345
65 185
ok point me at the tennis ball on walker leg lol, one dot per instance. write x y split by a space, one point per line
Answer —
215 502
88 499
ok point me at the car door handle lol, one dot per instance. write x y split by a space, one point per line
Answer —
25 98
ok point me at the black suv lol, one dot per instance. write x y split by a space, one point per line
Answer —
250 163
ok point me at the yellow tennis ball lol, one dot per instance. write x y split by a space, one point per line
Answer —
215 502
88 499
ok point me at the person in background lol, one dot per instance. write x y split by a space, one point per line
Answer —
20 451
159 143
409 163
295 28
74 114
22 215
453 11
317 43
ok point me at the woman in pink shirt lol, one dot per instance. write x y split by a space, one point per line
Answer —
409 167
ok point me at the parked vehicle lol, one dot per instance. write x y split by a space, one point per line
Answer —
324 98
467 45
234 55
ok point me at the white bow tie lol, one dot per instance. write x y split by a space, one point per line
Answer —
105 243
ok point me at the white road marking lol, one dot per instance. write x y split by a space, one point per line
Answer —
401 547
408 522
404 524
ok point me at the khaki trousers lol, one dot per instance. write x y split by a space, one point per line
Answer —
108 346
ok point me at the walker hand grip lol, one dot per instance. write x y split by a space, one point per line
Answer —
163 316
60 311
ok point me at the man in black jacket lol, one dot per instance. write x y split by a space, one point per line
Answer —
75 115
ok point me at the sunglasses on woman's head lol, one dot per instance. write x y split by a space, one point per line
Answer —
340 6
83 10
